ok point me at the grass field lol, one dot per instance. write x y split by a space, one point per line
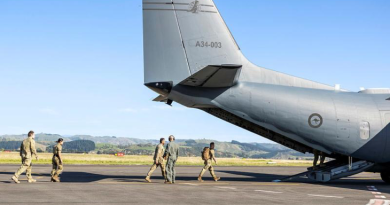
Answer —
94 159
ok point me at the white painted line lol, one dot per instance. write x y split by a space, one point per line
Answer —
221 187
372 188
190 184
272 192
376 193
277 180
337 197
380 197
379 202
372 202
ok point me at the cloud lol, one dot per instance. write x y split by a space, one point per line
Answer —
49 111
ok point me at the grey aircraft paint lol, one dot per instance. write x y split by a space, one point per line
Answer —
192 58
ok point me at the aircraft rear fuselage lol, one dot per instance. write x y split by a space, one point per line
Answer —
346 123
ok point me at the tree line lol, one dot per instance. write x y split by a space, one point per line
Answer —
10 145
77 146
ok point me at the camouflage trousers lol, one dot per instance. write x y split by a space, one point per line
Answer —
171 172
208 166
154 167
57 167
25 167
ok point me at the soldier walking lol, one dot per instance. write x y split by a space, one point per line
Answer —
158 161
27 150
57 161
172 153
208 155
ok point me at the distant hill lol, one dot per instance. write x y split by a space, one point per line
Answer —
134 146
76 146
15 146
41 137
113 140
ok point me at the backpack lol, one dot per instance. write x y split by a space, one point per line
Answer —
206 153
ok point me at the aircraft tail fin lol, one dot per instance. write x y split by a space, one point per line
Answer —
182 37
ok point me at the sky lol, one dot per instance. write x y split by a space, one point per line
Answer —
76 67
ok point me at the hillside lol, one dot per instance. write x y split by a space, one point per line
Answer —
190 148
113 140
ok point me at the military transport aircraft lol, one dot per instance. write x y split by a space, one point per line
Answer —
191 58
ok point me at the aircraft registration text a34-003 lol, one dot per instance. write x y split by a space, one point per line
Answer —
207 44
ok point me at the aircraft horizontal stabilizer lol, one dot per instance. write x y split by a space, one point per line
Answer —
214 76
161 98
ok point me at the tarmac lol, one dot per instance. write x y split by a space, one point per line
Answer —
239 185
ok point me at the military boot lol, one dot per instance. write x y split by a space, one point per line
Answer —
15 180
148 179
165 178
217 179
56 179
31 180
200 179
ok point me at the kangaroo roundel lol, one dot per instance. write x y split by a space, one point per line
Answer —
315 120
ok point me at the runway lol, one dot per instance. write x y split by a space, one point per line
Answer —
239 185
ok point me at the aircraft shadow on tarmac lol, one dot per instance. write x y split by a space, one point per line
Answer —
87 177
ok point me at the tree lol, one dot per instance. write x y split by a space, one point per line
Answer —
77 146
10 145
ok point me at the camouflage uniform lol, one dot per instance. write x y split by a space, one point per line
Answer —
27 150
158 157
57 165
172 153
208 165
318 154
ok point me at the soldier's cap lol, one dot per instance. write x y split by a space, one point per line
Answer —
60 140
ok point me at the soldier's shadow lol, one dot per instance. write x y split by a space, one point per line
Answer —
22 177
92 177
85 177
